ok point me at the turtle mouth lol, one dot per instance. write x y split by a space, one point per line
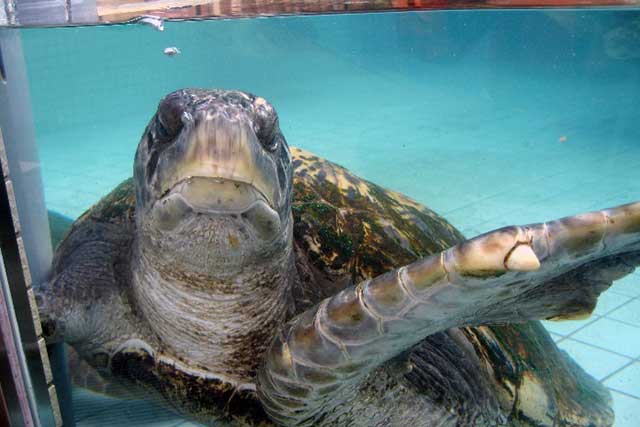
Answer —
217 195
212 197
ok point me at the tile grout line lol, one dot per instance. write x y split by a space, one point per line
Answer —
491 196
631 358
624 393
557 174
621 294
624 322
595 319
630 300
590 322
552 196
554 175
620 369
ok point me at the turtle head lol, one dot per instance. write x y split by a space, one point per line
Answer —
214 169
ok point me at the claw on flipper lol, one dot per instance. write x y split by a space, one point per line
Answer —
522 258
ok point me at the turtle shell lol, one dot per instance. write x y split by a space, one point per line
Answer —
347 229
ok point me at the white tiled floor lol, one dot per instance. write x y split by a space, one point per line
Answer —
627 409
608 346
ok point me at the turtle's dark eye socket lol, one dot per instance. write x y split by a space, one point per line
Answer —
162 133
272 144
167 128
265 124
269 135
168 121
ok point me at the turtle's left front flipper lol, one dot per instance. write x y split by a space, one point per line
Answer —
550 270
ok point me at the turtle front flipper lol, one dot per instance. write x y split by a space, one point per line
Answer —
553 270
86 302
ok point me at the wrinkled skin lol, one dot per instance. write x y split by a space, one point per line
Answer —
181 279
213 179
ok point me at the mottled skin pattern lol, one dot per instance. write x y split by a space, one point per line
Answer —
346 230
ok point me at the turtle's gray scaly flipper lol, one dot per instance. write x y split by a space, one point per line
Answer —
86 302
551 270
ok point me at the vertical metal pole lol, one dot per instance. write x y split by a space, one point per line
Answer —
3 14
24 235
16 121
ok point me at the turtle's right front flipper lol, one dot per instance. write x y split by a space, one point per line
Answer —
87 300
551 270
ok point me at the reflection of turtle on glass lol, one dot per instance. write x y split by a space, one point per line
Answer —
253 284
623 42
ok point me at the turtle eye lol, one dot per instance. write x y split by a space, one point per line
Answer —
168 121
268 134
272 144
167 127
161 132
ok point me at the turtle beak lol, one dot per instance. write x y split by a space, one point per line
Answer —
218 166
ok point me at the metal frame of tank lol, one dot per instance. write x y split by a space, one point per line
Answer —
18 13
25 250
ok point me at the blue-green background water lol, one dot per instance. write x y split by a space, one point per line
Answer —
490 118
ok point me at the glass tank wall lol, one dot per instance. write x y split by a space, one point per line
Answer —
489 118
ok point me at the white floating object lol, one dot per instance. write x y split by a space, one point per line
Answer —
172 51
153 21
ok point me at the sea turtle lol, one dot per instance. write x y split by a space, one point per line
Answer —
250 283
